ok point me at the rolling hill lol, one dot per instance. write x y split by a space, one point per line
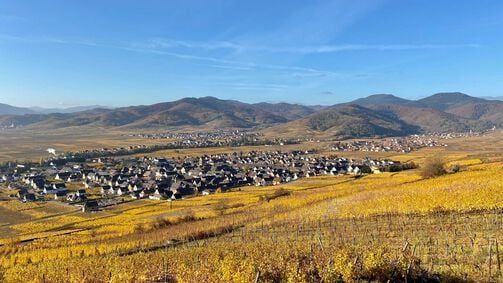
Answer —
375 115
466 106
346 121
6 109
41 110
389 115
207 111
440 112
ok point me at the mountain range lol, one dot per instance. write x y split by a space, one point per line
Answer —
6 109
375 115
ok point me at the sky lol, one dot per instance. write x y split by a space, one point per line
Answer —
62 53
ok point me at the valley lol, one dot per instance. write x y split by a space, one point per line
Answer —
345 188
398 225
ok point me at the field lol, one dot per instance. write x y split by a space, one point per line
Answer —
20 144
388 226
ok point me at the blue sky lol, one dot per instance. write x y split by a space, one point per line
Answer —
60 53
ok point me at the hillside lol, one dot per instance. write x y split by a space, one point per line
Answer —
467 106
41 110
381 100
347 121
207 111
441 112
445 100
375 115
6 109
288 111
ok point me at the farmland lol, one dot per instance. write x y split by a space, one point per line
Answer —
326 228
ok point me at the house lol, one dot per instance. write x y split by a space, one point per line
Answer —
267 181
134 187
122 190
356 170
62 175
375 169
37 182
71 197
28 197
176 196
60 195
15 177
74 177
54 188
88 184
350 169
105 189
112 190
160 195
145 193
81 193
91 205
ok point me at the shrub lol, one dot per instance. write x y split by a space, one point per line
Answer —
188 217
433 167
455 168
220 207
397 167
276 194
161 222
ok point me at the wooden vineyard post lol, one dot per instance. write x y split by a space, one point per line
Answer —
498 259
490 260
257 278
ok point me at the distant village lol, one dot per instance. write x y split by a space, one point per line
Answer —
402 144
197 136
178 141
115 180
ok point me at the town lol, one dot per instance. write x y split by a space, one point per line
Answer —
112 180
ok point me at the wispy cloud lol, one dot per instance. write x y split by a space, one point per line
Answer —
169 44
229 64
185 50
253 86
363 47
46 40
229 67
209 45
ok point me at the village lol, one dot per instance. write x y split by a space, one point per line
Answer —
97 178
105 181
213 135
403 144
177 141
400 144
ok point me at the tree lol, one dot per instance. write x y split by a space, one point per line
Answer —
433 167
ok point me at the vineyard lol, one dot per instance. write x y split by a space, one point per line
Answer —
380 227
